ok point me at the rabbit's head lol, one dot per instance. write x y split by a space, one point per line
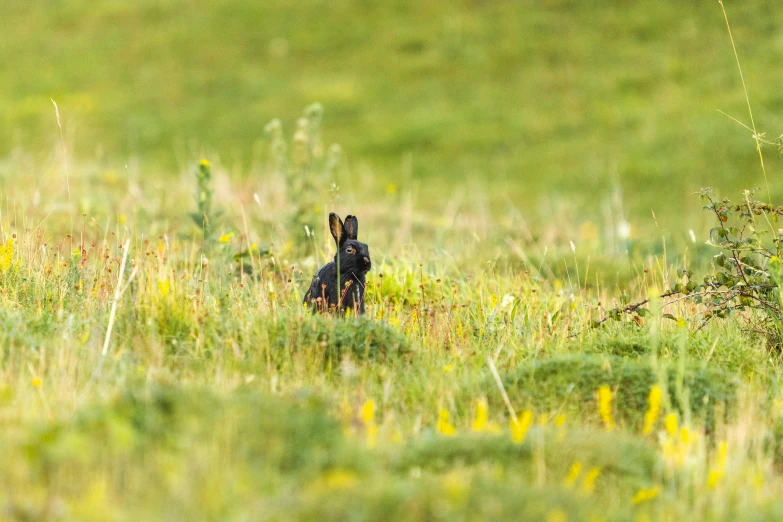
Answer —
354 255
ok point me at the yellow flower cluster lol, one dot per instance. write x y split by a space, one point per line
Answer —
678 441
482 416
370 426
719 468
605 407
653 409
6 255
444 425
645 495
588 484
589 480
521 426
560 420
481 419
573 474
670 423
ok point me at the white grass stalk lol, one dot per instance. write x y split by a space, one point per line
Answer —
117 294
502 389
62 142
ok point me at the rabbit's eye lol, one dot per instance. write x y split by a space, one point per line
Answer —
349 250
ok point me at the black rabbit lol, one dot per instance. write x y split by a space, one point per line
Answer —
355 262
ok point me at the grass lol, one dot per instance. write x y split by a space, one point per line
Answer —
215 394
221 396
522 96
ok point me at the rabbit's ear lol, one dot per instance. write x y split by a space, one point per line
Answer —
337 229
351 227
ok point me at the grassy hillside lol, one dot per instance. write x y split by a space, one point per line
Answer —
527 96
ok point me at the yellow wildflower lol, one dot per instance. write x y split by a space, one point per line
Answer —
225 238
719 468
588 485
605 406
713 477
368 411
520 427
573 474
671 424
653 409
677 442
444 426
644 495
560 420
482 416
204 163
37 382
368 418
6 255
163 287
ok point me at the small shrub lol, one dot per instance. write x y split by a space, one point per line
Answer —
572 381
745 282
267 434
623 456
359 337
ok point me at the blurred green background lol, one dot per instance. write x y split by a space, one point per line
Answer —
542 101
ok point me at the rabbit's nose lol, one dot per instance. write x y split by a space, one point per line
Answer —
366 261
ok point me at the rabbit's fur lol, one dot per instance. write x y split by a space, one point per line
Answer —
355 262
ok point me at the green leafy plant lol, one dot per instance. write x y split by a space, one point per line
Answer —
205 216
745 282
307 168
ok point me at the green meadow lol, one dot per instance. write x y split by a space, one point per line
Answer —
556 329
